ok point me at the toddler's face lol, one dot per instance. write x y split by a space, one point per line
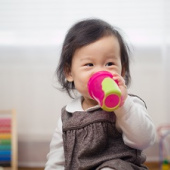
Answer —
102 55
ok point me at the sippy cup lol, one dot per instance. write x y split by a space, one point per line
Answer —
104 90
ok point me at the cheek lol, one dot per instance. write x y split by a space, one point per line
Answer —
81 84
79 80
120 69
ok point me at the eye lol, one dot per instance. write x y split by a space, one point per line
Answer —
89 64
109 64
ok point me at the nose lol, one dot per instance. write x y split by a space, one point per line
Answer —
99 68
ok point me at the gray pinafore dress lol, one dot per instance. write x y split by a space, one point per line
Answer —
92 142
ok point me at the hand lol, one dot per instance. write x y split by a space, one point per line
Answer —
123 88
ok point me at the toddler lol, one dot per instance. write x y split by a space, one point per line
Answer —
87 137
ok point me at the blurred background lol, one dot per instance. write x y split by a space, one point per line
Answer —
31 36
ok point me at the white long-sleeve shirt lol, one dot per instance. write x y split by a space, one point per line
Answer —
132 120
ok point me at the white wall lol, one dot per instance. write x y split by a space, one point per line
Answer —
31 34
28 84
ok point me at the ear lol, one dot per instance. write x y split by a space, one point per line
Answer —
68 75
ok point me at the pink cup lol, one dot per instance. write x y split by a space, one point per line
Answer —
104 90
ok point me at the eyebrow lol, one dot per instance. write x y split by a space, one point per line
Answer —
109 56
112 57
85 58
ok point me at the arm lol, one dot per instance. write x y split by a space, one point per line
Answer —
136 125
55 158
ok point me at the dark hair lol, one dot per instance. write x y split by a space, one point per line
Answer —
81 34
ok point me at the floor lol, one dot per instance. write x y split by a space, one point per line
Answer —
150 165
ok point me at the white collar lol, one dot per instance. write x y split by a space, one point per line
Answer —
76 105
